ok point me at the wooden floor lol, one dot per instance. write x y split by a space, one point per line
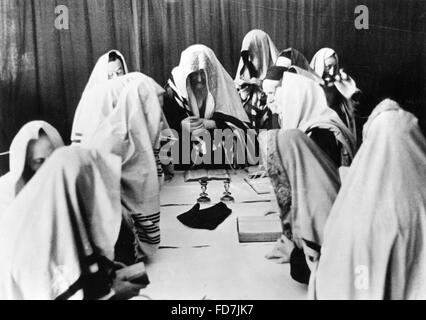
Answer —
196 264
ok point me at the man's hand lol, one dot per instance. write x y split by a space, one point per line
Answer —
195 124
208 124
192 123
282 250
125 290
255 81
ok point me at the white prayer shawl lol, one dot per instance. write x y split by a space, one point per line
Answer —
99 74
70 210
343 83
301 104
130 131
300 71
262 49
314 183
374 238
222 95
12 183
96 104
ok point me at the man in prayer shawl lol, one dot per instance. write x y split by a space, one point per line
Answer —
374 238
290 60
97 103
300 103
272 81
131 131
305 197
57 238
258 54
30 148
109 66
306 182
201 97
341 90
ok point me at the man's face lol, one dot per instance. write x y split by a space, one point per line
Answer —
38 151
115 69
197 80
283 62
252 62
330 67
270 87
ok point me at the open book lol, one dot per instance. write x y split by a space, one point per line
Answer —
211 174
260 185
259 228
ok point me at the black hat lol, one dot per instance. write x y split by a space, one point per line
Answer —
275 73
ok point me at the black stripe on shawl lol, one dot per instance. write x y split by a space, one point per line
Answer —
181 101
221 119
312 245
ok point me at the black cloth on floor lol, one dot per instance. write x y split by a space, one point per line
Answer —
209 218
299 269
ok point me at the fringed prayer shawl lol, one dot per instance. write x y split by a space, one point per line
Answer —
374 240
301 104
223 104
343 83
131 131
306 182
57 238
97 103
249 81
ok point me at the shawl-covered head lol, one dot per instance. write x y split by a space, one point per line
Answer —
18 149
262 54
98 102
318 61
343 82
100 71
301 104
222 95
59 226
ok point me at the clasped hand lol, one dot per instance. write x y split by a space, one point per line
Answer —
124 288
194 124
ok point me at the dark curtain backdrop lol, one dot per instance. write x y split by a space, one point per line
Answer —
43 70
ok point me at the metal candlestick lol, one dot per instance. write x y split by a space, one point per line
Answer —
227 195
204 197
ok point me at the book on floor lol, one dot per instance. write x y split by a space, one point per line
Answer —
260 186
259 228
211 174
